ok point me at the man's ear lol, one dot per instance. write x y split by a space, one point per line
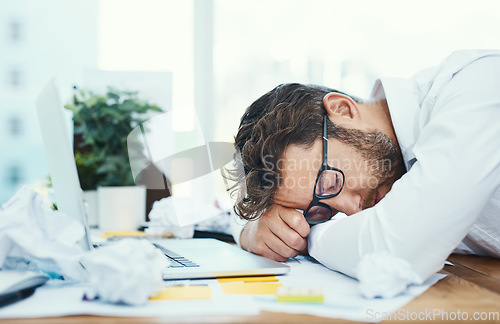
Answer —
339 105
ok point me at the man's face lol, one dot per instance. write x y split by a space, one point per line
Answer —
368 169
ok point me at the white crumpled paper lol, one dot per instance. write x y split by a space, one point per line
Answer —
383 275
222 222
127 271
35 237
178 215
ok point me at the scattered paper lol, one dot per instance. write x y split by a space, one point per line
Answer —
33 237
342 299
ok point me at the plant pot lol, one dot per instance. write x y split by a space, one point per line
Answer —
91 207
121 208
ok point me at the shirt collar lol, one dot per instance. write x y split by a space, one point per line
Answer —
403 108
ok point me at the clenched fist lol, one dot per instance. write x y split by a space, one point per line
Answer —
280 233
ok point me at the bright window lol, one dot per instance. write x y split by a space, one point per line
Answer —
340 44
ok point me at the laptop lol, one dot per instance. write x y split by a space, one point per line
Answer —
189 258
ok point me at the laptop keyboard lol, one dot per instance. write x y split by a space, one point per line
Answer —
176 261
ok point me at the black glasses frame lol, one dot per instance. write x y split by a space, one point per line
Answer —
324 166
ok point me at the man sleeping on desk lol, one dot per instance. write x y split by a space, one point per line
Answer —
416 169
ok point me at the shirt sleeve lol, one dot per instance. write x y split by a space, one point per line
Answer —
431 208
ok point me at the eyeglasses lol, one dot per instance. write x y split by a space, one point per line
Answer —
329 183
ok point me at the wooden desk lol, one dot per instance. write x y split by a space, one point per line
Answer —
472 285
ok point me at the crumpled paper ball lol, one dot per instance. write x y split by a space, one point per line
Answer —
383 275
128 271
33 237
178 215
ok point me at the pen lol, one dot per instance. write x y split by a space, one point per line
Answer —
12 297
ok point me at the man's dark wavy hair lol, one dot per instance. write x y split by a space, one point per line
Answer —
289 114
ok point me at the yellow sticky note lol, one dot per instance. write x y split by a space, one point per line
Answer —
249 279
250 288
184 293
300 295
122 233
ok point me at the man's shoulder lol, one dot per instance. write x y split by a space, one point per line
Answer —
453 63
429 82
469 55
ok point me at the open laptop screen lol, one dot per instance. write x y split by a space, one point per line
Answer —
62 166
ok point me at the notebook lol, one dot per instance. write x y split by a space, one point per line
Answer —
190 258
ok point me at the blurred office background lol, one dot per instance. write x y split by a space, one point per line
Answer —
222 54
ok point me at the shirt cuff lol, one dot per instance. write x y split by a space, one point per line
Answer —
237 225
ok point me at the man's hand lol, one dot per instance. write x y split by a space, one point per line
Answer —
280 233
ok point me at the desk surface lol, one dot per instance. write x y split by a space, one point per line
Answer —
472 285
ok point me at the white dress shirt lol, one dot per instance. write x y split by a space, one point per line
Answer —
447 122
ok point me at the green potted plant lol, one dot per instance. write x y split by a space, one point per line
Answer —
102 123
